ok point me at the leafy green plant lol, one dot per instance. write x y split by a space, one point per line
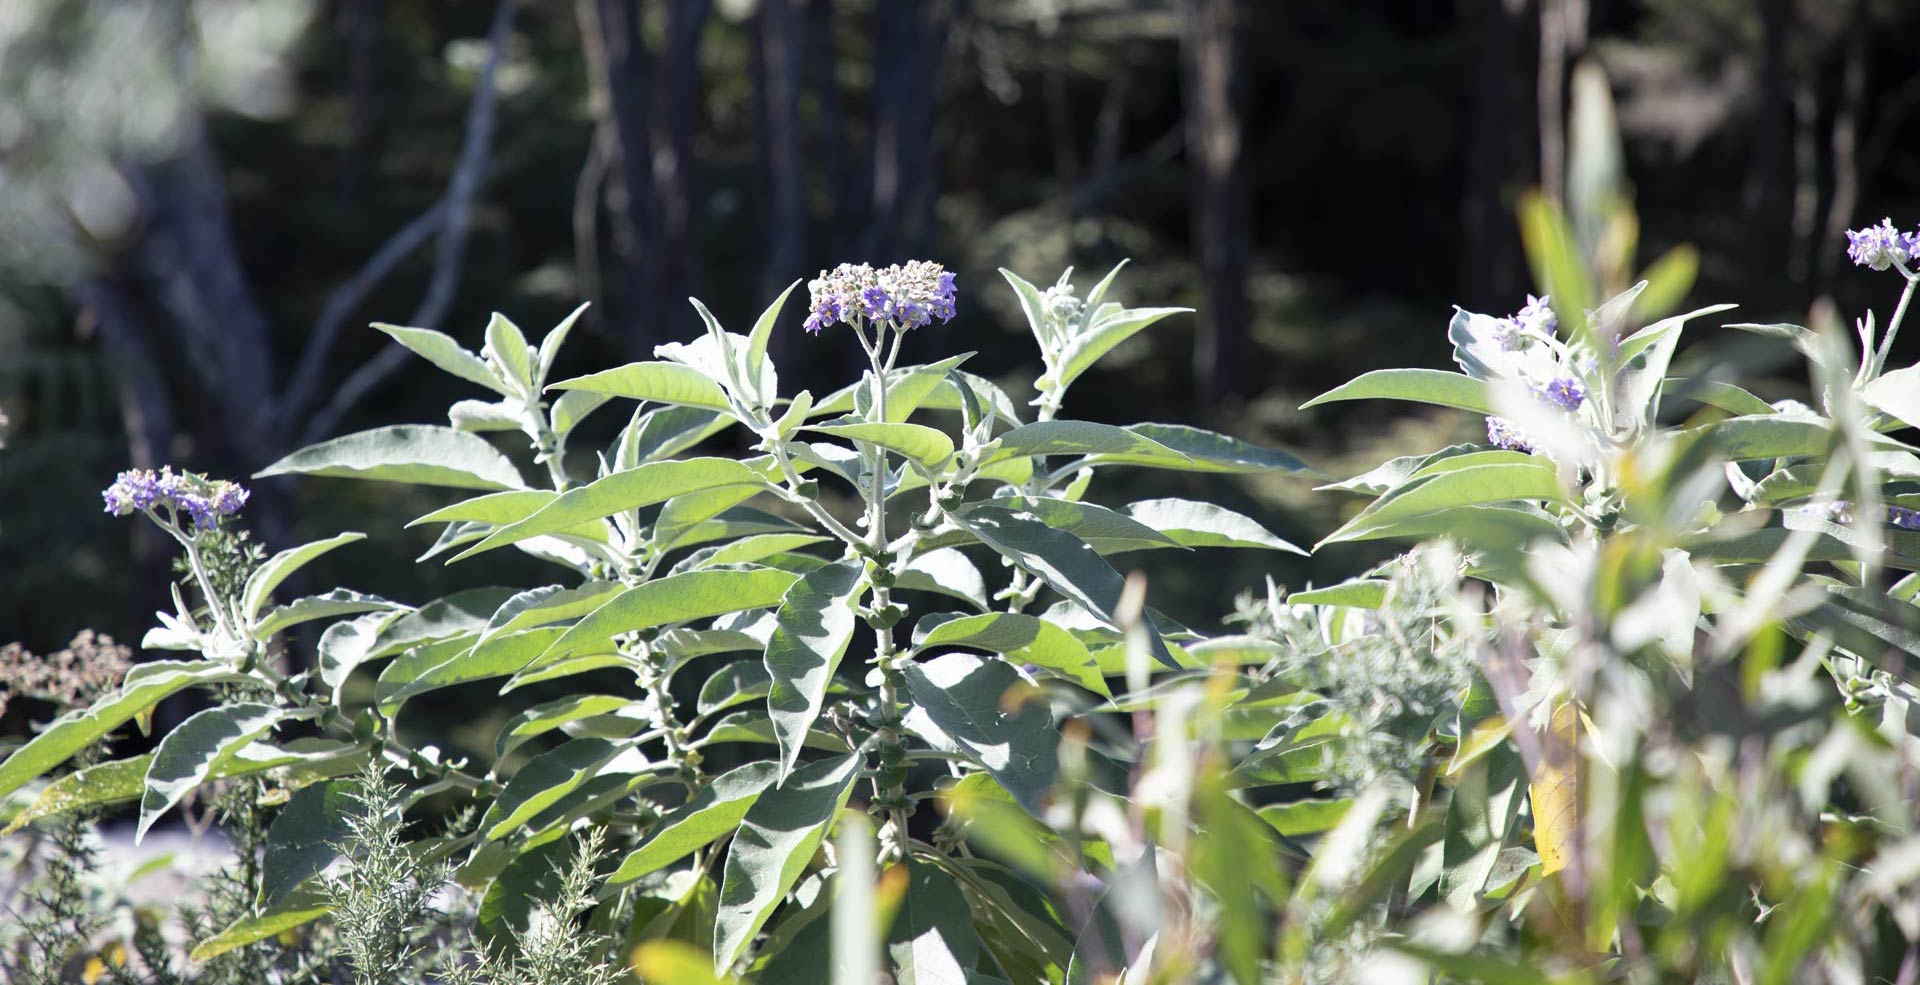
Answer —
829 678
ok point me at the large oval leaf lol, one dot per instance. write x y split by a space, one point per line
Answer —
1022 639
660 382
1474 486
422 454
925 446
143 688
965 705
276 569
190 753
706 817
678 598
1192 524
545 779
811 632
776 840
654 482
1424 386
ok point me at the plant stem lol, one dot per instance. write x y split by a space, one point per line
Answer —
1893 324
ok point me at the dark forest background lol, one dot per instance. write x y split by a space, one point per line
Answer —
204 203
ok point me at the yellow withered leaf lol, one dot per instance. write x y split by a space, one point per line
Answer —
1555 790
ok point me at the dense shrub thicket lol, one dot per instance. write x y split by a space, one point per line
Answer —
872 697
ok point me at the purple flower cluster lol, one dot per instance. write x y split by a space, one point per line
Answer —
905 296
1534 320
1565 393
144 490
1882 246
1502 434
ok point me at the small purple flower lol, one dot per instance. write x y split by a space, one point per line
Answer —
875 303
1903 518
1537 316
904 296
1564 392
1502 434
1882 246
200 498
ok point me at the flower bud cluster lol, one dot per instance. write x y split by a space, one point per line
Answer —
904 296
145 490
1882 246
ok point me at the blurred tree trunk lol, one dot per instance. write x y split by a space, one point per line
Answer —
1844 148
1563 37
822 79
618 88
777 80
678 89
1211 78
363 38
1493 156
1766 193
910 40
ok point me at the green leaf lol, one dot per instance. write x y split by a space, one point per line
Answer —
776 841
1360 593
276 569
928 448
453 662
507 348
962 704
763 330
659 382
301 907
1022 639
661 433
932 940
464 613
550 346
947 572
143 688
811 631
484 415
1480 820
556 714
305 838
121 780
1192 524
339 602
1714 393
1065 562
654 482
573 407
1422 386
752 725
190 753
1558 265
1105 530
678 598
709 815
1100 337
416 453
497 509
909 388
1084 438
752 550
1758 436
442 351
545 779
546 606
684 515
1034 305
1896 394
1206 451
1473 486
